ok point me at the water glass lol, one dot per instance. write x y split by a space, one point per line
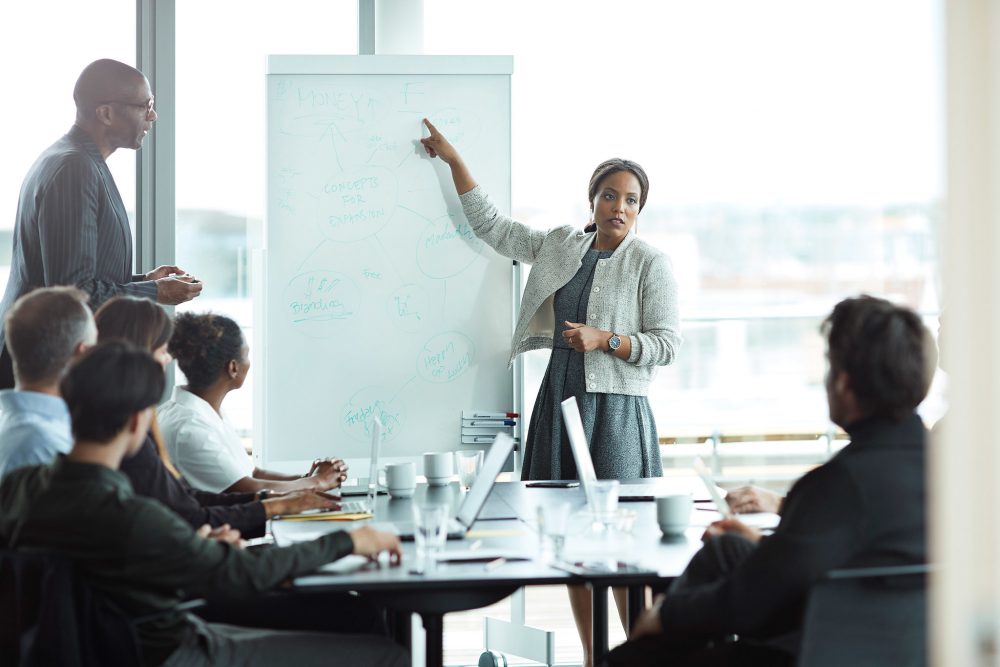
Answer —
430 530
604 500
553 521
469 463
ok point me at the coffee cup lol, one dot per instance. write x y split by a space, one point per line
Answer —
673 513
439 468
401 479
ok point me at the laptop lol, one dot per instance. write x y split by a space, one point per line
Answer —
585 465
713 489
371 488
364 486
475 498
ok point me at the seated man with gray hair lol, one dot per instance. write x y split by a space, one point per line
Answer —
46 329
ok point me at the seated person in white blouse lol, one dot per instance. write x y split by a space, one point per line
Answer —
205 447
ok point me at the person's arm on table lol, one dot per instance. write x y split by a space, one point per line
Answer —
750 499
325 476
167 551
819 531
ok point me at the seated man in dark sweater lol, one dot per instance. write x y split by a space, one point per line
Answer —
863 508
141 555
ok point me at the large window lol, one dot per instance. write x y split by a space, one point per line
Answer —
44 46
795 156
221 137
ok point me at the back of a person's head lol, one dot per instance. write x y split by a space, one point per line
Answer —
103 81
887 352
43 330
202 344
138 321
109 384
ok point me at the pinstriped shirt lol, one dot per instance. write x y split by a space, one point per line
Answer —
72 228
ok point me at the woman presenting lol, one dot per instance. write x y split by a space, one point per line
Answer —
606 303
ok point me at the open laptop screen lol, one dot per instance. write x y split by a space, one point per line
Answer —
497 455
578 444
373 466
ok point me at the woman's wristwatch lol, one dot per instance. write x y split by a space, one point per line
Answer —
614 342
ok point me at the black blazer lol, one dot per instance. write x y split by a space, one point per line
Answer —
864 507
151 478
72 228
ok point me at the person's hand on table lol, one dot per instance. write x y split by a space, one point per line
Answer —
339 463
649 621
750 499
223 534
173 290
297 502
584 338
328 474
731 526
370 542
437 146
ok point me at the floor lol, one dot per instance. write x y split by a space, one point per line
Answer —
547 608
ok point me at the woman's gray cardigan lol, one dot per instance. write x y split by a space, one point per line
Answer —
634 294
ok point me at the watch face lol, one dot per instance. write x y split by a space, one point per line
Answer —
614 342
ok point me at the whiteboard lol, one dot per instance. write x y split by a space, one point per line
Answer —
377 298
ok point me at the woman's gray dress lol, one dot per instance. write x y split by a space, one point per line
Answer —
619 428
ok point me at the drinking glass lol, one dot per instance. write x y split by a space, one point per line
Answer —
604 496
553 521
430 530
469 463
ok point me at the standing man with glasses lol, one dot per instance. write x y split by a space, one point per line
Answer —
71 226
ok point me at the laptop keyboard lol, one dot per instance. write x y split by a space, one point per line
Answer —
354 506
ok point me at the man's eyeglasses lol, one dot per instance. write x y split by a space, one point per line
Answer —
146 106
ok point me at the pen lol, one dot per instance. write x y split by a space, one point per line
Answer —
494 422
494 564
496 415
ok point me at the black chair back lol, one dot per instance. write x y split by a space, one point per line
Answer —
51 617
868 617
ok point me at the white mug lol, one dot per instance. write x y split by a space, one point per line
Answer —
439 467
401 479
673 513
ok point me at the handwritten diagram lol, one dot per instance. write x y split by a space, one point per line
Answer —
376 281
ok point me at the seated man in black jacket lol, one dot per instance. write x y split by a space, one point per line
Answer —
141 555
863 508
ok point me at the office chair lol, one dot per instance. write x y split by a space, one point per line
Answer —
51 617
867 617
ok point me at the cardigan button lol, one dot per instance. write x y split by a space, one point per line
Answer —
592 386
591 376
597 289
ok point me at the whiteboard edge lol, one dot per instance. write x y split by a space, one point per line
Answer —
389 64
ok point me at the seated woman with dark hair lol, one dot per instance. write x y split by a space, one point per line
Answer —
152 474
211 351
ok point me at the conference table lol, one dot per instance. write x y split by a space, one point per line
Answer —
507 526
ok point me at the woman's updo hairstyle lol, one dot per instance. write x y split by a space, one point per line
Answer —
613 166
203 344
